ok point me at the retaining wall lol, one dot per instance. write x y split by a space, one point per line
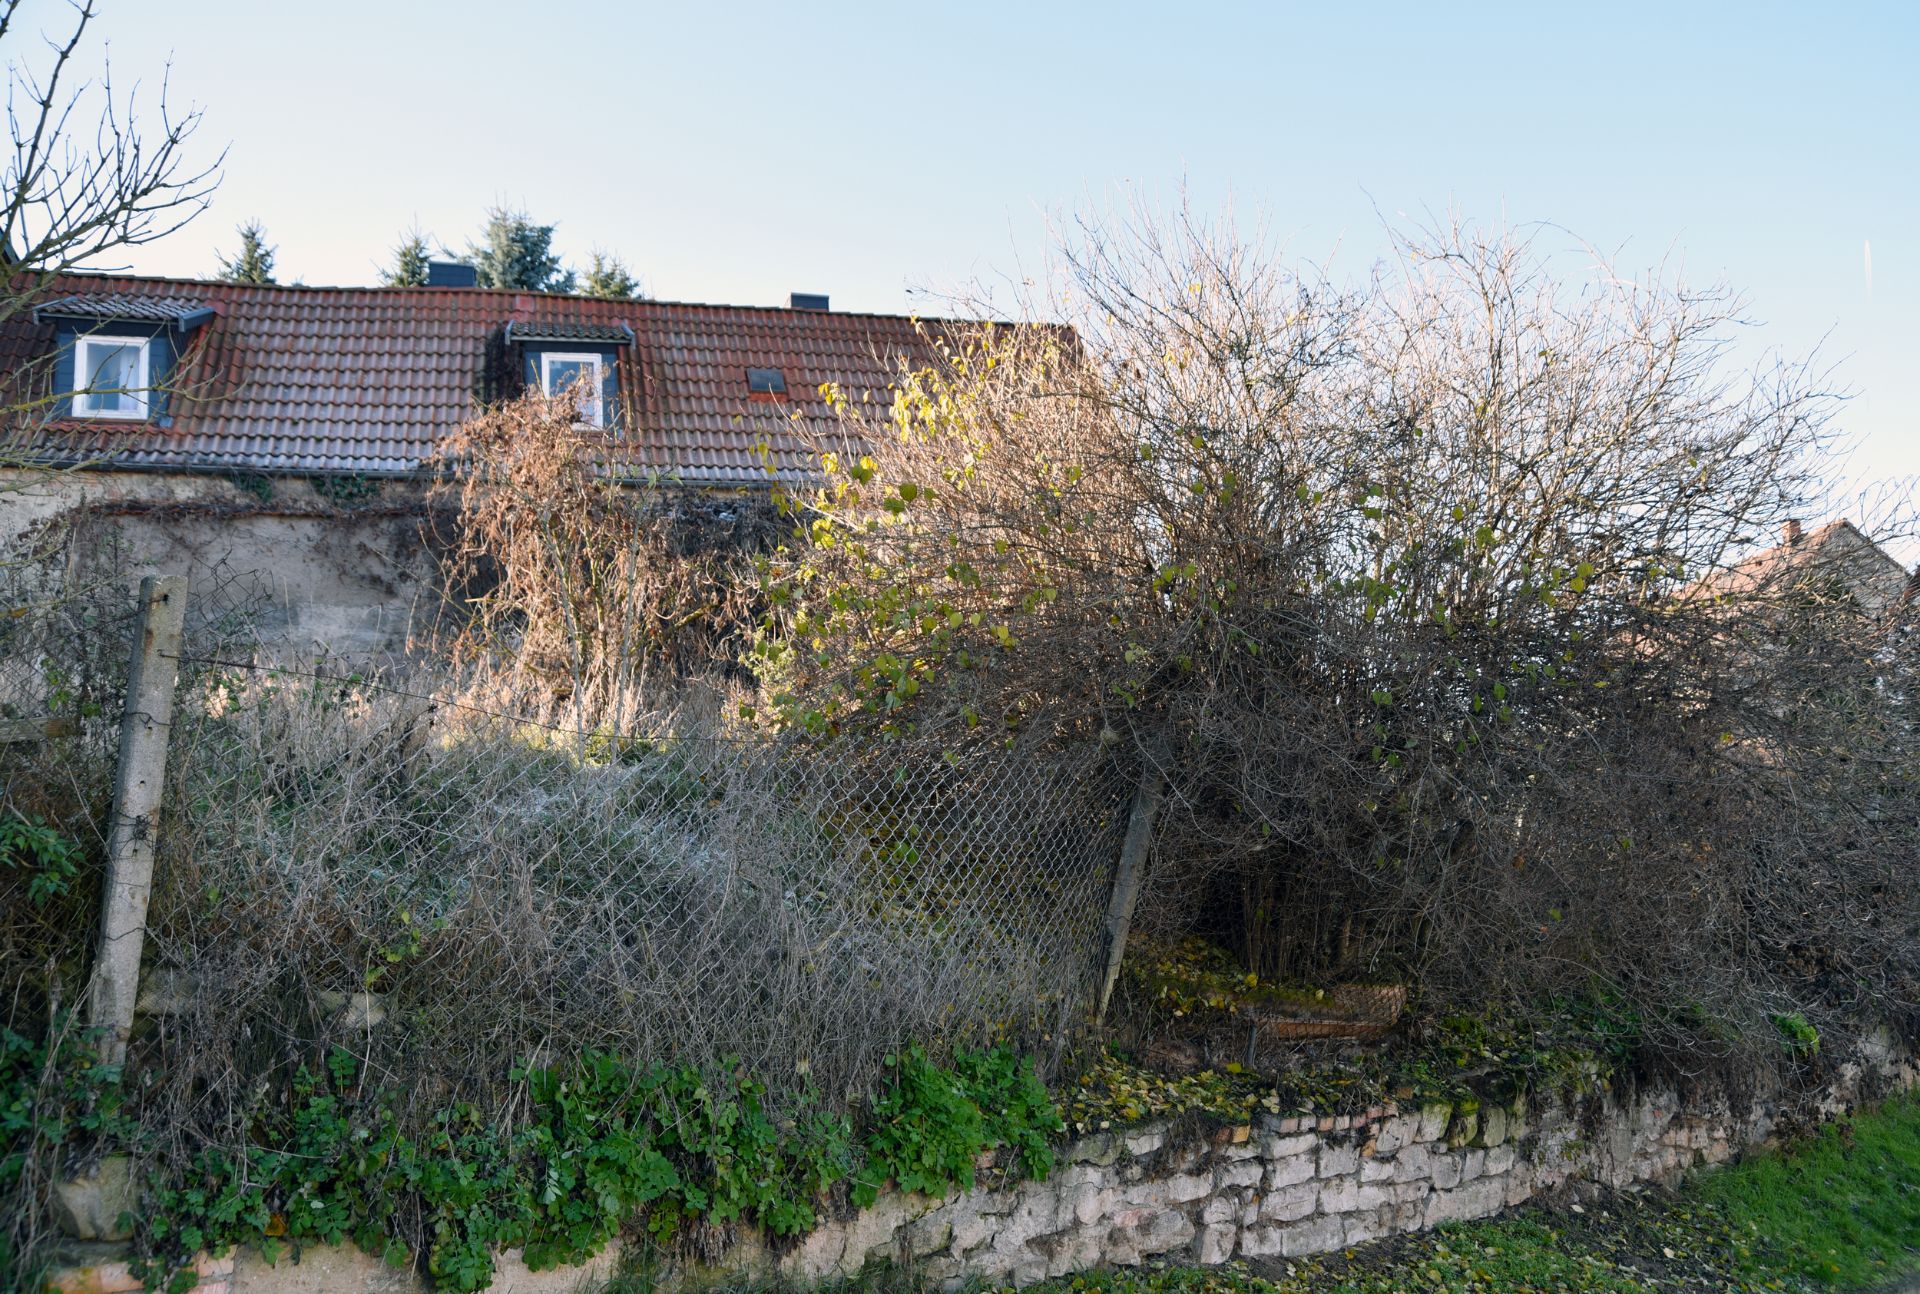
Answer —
1276 1187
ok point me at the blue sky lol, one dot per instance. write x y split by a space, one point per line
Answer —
735 152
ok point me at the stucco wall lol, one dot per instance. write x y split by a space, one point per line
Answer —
351 577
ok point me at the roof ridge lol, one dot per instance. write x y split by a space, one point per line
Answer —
228 285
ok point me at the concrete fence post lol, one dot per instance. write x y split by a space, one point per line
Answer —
151 674
1126 879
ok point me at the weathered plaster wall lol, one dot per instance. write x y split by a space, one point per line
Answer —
1279 1187
350 578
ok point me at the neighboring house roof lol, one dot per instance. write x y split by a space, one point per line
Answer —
367 380
1838 551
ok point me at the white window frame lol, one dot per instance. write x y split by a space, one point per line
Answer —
84 395
548 358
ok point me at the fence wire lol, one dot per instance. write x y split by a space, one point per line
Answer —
400 866
63 655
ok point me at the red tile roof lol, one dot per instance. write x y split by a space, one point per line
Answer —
366 380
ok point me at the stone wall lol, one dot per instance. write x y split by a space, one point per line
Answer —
1287 1187
352 578
1277 1187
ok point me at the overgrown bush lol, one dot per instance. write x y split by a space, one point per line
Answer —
1424 596
59 1105
572 578
45 860
63 646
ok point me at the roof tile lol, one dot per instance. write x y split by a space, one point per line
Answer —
369 379
120 305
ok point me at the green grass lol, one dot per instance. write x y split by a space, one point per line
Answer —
1843 1211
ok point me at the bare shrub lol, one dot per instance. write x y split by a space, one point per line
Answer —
88 175
1400 587
572 579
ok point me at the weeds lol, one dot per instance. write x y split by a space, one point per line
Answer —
49 859
604 1143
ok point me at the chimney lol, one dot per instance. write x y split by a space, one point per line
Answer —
451 274
1790 533
807 301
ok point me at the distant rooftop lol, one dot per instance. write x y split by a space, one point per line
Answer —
1839 548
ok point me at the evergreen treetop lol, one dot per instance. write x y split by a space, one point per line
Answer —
515 252
253 263
410 257
608 277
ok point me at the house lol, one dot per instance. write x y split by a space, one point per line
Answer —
279 435
1834 568
1836 558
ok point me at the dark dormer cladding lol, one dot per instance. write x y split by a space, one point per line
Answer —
561 357
616 334
183 313
115 353
452 274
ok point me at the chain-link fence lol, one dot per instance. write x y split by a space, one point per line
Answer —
394 864
63 656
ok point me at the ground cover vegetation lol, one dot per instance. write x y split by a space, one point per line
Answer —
599 1146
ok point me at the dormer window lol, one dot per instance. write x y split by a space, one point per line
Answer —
578 358
579 374
111 377
116 353
766 381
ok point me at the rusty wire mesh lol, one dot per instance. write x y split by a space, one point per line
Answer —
62 671
448 888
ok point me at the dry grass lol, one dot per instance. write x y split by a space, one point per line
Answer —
509 891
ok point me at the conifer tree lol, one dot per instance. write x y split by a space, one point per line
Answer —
253 263
410 257
608 277
514 252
